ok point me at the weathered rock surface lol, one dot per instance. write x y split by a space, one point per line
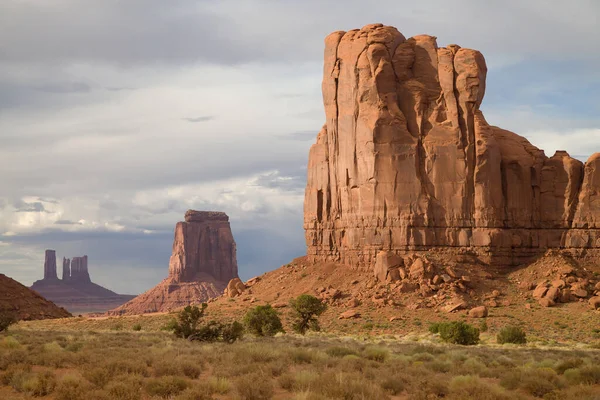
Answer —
203 262
203 245
407 162
24 304
75 291
235 287
50 265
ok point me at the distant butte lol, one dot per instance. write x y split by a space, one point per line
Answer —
75 291
203 261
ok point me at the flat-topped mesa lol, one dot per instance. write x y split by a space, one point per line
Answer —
50 265
203 245
202 216
407 162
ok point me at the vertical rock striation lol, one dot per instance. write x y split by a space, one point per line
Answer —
203 261
406 161
203 245
50 265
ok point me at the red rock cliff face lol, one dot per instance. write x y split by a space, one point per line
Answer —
203 245
406 161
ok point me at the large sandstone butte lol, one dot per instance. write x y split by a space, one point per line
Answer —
202 263
24 304
75 291
406 162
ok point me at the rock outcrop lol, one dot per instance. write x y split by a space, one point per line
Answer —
23 303
75 291
406 162
202 263
50 265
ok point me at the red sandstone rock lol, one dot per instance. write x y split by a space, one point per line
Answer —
478 312
595 302
406 161
50 265
546 302
203 262
75 291
235 287
349 314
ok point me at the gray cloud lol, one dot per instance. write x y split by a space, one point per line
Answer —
200 119
66 87
66 222
21 206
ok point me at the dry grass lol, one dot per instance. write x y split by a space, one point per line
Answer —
143 365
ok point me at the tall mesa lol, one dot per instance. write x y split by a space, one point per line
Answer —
406 162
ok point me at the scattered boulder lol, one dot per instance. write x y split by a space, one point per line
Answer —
349 314
234 288
546 302
540 291
386 266
478 312
595 302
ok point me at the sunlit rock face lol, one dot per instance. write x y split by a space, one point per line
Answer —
407 162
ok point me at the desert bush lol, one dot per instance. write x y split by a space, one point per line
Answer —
263 321
191 370
98 376
306 309
137 327
338 351
392 385
254 387
379 354
511 334
586 375
472 387
198 392
166 386
6 320
535 381
71 387
124 391
216 332
456 332
118 367
569 363
188 320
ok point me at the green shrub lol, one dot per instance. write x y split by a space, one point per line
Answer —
511 334
137 327
188 320
263 321
99 376
217 332
456 332
586 375
6 320
306 309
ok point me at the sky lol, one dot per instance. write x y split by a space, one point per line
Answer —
118 116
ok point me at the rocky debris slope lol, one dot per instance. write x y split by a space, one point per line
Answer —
558 278
75 291
202 263
25 304
406 161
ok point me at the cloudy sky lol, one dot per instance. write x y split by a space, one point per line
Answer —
118 116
